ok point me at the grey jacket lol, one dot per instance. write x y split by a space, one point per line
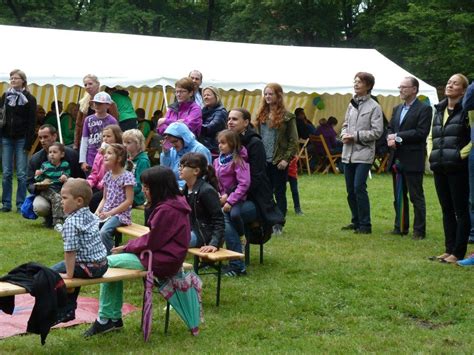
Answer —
364 120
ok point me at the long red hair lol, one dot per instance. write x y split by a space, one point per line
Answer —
277 111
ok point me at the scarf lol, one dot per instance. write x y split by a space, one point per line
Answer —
15 97
224 159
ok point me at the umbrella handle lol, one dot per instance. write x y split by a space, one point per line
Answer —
150 257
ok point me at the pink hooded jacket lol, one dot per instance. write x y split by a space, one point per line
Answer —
234 178
97 173
189 112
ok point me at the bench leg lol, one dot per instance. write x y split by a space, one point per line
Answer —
261 253
196 264
247 253
218 290
167 317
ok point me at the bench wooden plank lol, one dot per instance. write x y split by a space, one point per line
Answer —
133 230
112 274
220 255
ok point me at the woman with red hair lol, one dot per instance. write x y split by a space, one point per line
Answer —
277 128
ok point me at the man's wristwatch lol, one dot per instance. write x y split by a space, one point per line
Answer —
398 139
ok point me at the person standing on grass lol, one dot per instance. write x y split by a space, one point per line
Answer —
17 136
277 128
167 241
407 133
362 126
92 130
293 181
450 144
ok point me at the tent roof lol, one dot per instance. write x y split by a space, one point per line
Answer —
50 56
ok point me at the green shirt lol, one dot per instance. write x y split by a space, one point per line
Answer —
68 125
124 107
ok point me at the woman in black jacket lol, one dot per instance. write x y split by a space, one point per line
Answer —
450 138
17 137
207 219
214 118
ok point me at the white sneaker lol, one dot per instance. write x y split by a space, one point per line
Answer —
58 227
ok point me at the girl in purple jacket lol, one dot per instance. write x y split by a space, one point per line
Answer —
233 174
167 241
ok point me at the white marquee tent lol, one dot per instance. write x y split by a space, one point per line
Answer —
50 56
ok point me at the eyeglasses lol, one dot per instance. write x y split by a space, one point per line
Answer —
15 78
179 92
182 166
401 87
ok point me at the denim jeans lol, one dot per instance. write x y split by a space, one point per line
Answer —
248 213
278 179
107 231
357 196
294 192
13 150
193 243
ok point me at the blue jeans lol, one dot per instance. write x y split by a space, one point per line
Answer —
471 193
248 213
14 149
193 243
357 196
107 231
278 179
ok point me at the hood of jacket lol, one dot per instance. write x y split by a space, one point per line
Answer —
180 130
179 204
176 106
246 136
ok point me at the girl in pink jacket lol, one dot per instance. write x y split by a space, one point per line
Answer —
110 134
233 174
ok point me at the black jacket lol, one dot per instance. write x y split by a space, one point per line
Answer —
260 191
213 121
21 120
448 140
40 157
207 219
46 286
414 129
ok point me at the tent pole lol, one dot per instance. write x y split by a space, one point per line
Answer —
165 99
58 120
243 99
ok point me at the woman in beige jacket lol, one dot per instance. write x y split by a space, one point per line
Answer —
363 125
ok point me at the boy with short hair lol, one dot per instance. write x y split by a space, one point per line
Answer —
55 171
85 255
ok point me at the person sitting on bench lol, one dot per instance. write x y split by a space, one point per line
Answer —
84 253
167 241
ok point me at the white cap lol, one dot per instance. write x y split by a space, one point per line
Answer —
102 98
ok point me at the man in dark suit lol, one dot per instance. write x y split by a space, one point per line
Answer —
407 133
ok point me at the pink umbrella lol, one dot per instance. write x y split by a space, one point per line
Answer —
147 313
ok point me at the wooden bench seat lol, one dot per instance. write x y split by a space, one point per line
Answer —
217 258
112 274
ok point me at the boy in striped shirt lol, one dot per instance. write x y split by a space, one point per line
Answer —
55 171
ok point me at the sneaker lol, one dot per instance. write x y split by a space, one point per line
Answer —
118 324
231 272
5 209
466 262
98 328
58 227
277 229
363 231
471 241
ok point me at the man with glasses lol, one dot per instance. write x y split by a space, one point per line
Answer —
407 133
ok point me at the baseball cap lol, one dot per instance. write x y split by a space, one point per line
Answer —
102 98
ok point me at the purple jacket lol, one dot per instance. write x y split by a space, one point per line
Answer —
329 135
189 112
167 241
234 178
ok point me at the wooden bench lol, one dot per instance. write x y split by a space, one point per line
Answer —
217 258
112 274
134 230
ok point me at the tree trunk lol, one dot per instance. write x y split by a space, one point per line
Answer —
210 16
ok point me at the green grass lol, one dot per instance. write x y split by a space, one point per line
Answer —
319 290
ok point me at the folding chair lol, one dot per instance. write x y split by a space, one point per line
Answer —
303 157
380 163
329 159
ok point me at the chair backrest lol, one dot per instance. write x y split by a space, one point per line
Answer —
303 144
320 139
148 139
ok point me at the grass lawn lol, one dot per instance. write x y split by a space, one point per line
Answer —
320 289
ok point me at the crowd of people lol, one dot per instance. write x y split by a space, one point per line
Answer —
222 177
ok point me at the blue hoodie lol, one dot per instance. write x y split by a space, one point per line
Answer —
171 158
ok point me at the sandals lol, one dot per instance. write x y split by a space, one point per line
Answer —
439 257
